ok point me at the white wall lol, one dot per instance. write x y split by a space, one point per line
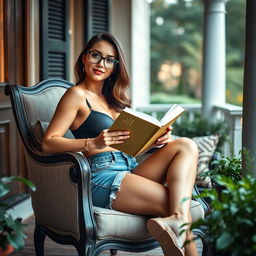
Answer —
120 26
130 24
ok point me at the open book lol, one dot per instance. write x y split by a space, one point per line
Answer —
144 129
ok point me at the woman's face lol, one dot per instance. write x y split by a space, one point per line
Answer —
98 71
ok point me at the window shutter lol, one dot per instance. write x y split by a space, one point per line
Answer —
97 17
54 19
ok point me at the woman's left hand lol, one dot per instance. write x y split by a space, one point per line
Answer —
165 138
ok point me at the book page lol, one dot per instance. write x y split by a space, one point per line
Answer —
174 111
143 116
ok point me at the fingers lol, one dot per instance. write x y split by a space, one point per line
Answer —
164 139
116 137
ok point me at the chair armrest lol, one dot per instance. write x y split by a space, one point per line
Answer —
202 201
62 200
216 156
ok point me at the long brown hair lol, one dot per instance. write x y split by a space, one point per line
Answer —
115 87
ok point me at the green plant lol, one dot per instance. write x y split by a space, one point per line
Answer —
231 222
226 166
201 127
11 230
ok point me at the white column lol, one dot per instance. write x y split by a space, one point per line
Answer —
130 23
140 53
214 56
249 96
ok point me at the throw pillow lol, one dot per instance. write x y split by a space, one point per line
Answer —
206 147
39 128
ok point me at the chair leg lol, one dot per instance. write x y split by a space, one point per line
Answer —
81 251
39 237
113 252
202 234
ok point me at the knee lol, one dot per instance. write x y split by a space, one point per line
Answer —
187 145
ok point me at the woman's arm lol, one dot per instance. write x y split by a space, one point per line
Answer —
63 118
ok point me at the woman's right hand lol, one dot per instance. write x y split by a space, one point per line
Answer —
106 138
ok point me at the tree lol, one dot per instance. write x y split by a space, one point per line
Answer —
176 37
235 50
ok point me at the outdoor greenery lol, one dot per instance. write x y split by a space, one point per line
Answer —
226 166
201 127
11 230
161 97
176 49
231 166
230 225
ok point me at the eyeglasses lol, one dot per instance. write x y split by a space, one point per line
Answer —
95 58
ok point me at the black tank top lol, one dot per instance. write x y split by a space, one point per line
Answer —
93 125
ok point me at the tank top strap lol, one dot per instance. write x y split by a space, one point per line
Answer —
88 104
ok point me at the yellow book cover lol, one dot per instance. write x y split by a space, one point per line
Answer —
144 129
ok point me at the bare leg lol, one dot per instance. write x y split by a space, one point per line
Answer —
180 179
176 164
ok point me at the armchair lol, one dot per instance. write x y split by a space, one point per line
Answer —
62 203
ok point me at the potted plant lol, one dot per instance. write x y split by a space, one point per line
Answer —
11 230
230 225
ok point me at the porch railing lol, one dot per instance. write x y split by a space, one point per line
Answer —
230 114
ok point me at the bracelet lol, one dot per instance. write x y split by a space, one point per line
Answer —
86 145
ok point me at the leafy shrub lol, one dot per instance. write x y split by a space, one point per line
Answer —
201 127
231 222
226 166
11 230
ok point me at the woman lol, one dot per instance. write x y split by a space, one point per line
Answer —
118 181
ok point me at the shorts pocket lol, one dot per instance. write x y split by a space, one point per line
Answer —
99 166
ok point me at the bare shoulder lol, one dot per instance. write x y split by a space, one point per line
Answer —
74 94
76 91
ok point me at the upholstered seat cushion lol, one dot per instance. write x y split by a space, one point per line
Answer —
114 224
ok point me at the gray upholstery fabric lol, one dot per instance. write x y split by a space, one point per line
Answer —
39 128
55 199
42 106
196 210
115 224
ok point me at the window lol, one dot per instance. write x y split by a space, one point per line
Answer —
176 51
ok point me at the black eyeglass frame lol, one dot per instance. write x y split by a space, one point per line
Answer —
104 59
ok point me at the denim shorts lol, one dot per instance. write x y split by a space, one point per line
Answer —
107 172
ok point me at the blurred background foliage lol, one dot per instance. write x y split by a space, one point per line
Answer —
176 50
